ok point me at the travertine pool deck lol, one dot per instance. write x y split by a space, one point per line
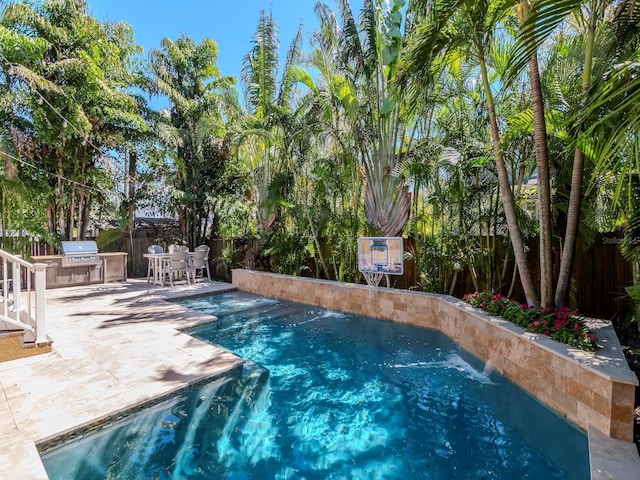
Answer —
119 345
114 346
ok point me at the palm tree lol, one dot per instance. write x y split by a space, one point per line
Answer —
596 9
187 74
542 162
262 138
451 164
545 16
66 102
469 27
333 181
385 132
614 144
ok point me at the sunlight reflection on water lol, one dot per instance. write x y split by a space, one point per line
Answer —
333 396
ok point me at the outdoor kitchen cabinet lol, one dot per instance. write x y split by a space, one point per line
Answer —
112 268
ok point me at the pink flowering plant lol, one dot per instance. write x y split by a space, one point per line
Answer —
561 324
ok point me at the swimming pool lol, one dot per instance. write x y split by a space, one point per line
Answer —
332 395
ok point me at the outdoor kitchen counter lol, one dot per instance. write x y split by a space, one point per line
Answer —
112 268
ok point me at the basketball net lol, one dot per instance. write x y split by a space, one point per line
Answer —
373 278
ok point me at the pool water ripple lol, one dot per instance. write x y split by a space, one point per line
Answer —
328 395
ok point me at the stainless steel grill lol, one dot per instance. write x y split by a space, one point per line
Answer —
77 254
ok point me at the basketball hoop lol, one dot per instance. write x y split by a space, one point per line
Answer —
378 257
372 278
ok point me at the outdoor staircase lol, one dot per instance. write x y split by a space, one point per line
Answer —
22 308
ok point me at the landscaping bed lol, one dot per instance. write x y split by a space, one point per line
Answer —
629 337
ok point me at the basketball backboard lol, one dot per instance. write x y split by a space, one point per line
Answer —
380 255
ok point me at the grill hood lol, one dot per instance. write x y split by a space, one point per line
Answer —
86 247
81 253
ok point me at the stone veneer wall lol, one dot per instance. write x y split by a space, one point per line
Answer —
578 385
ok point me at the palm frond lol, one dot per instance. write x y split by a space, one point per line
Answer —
617 101
260 66
353 53
542 21
631 246
428 49
370 45
519 124
293 57
626 21
325 37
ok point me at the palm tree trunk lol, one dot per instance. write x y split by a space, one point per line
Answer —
544 185
544 188
131 207
86 209
505 191
72 212
59 201
314 233
83 215
575 197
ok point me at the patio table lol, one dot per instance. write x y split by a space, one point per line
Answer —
160 262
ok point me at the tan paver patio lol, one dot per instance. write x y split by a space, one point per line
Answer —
115 345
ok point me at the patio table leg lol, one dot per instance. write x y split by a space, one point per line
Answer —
162 269
159 271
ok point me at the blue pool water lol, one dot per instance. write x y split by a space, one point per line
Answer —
327 395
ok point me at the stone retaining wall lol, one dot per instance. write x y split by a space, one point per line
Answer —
587 388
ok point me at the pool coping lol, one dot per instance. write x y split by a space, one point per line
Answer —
611 459
48 443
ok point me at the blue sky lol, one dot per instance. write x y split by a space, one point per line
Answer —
230 23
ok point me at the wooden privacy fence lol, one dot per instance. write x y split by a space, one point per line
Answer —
600 275
137 247
600 272
26 246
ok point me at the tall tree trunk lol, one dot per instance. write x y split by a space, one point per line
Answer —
575 197
60 202
81 199
505 190
51 222
131 205
131 192
544 185
4 224
81 220
72 209
86 210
